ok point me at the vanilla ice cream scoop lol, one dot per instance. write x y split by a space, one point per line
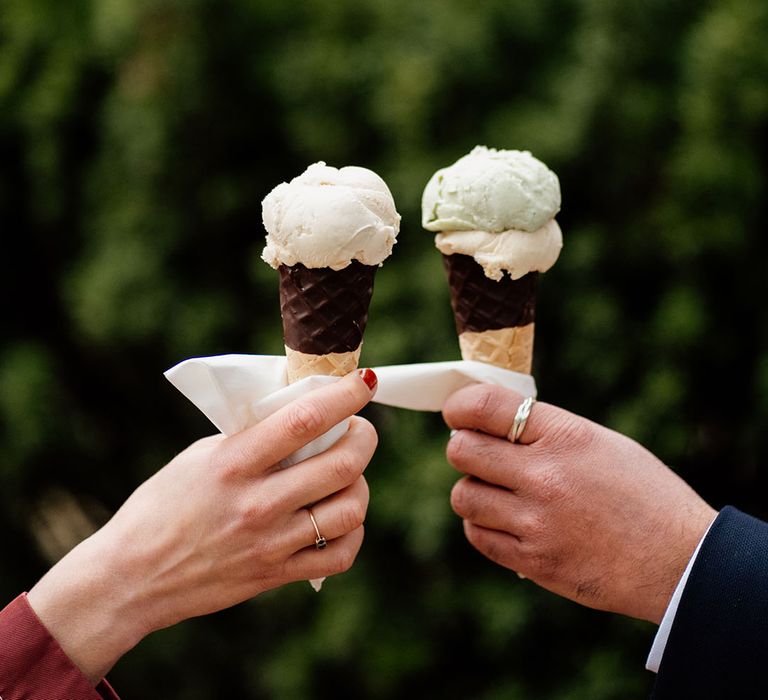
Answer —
491 190
328 217
515 252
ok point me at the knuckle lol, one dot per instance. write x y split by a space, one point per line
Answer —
269 553
550 485
531 526
528 546
369 432
258 511
347 466
210 442
473 534
480 540
303 419
491 549
579 431
343 560
352 516
227 463
541 561
457 448
460 501
483 403
365 493
569 432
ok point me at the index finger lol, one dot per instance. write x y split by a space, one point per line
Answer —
299 422
491 409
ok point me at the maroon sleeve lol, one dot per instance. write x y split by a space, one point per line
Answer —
32 664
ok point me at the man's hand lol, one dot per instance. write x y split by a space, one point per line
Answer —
580 509
217 525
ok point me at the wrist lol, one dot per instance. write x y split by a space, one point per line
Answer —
696 526
89 604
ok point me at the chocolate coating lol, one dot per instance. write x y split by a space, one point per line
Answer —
325 310
482 304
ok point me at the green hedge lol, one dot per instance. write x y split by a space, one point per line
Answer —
137 139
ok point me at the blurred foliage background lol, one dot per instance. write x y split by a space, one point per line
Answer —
137 139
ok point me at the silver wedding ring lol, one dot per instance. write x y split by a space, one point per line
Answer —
320 541
521 418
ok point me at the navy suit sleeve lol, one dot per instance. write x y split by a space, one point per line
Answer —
718 645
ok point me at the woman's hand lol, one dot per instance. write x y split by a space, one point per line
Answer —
217 525
581 510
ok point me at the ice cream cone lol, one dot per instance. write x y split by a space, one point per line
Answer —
494 319
494 215
324 314
328 231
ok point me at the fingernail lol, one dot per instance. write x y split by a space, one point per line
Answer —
369 377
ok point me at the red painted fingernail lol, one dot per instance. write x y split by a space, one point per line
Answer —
369 377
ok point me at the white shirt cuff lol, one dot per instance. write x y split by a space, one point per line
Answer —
662 635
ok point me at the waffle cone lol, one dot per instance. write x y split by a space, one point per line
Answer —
494 318
510 348
334 364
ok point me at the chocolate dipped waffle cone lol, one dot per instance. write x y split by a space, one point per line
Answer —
494 319
324 315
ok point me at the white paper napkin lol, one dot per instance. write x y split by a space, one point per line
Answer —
237 391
